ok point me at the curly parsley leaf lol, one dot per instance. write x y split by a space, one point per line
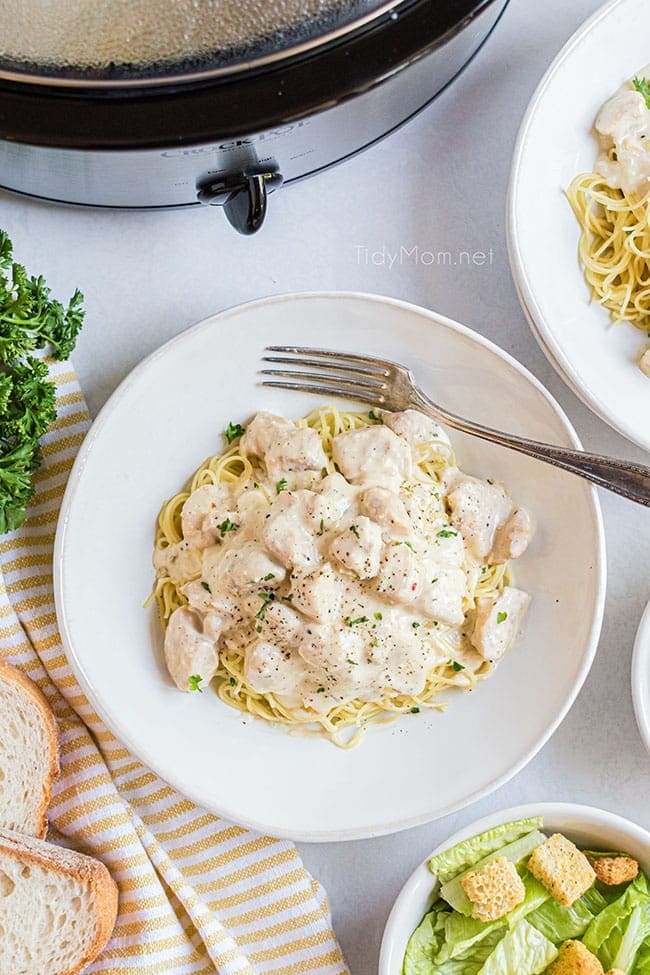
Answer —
30 320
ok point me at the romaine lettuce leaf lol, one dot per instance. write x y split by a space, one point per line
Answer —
523 951
462 933
635 935
559 923
642 966
428 940
425 942
468 853
519 850
605 934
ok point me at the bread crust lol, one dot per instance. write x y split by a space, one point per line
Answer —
85 869
11 675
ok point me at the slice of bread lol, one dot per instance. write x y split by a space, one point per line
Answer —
57 908
29 753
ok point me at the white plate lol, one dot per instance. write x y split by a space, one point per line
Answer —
555 144
587 826
641 677
159 426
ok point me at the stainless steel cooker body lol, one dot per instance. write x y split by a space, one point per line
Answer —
173 145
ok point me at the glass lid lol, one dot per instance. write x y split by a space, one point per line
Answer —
126 41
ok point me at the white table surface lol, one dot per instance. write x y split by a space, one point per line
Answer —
439 184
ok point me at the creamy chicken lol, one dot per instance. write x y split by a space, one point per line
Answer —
623 129
342 578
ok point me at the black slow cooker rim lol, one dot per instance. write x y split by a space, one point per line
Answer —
283 93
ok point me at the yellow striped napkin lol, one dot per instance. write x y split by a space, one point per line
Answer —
197 894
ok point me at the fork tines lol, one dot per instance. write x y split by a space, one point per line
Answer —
344 374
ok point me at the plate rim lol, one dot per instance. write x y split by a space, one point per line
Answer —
567 371
113 722
640 681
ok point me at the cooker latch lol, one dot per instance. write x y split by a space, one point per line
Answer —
243 196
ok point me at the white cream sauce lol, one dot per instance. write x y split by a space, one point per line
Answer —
336 584
623 130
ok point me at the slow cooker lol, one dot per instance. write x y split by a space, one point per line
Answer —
173 103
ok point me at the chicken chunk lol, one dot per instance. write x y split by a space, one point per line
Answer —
358 548
372 456
644 362
494 890
269 669
399 575
497 620
386 509
206 508
562 868
511 539
575 959
260 432
335 498
294 449
614 870
282 624
181 561
288 532
443 596
250 565
317 594
477 510
188 651
414 427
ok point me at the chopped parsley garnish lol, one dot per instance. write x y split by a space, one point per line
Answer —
489 481
269 575
456 666
322 527
227 526
374 416
360 619
355 530
502 617
352 663
416 626
266 597
446 533
642 85
281 485
320 690
415 710
233 682
434 580
378 616
258 628
193 682
233 432
410 545
206 586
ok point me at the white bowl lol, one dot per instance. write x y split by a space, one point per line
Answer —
555 143
159 426
587 826
641 677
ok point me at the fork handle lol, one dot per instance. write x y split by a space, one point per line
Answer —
626 478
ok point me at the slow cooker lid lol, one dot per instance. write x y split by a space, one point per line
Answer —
119 41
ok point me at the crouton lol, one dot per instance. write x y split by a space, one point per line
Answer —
560 867
575 959
614 870
494 889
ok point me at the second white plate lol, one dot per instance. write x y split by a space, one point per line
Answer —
159 426
596 358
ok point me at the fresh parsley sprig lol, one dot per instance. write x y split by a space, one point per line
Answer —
30 320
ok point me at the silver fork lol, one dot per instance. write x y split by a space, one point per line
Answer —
392 387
